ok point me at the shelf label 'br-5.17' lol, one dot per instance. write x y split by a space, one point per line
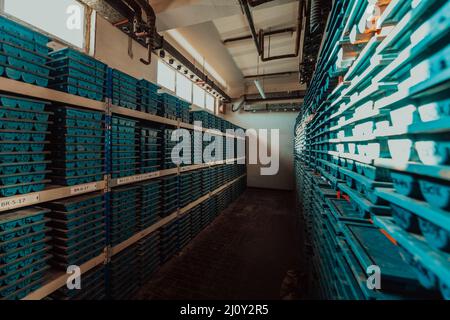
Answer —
19 201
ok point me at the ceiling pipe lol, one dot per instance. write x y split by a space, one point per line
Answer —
137 14
259 37
150 31
297 39
274 74
257 100
268 33
237 104
248 15
160 43
254 3
274 96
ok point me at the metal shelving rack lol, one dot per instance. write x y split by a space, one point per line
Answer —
57 279
370 83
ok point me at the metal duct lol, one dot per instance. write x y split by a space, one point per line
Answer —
259 37
315 16
254 3
120 15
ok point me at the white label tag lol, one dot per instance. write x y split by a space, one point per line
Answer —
137 178
19 201
83 188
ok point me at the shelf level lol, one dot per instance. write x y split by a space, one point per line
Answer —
153 175
33 91
50 194
143 115
166 220
175 123
438 262
58 279
438 172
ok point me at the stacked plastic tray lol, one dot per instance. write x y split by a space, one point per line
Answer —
385 147
124 274
170 188
167 146
208 211
227 125
230 148
148 98
203 117
196 220
184 230
218 202
78 74
185 191
225 199
23 54
360 245
125 147
150 204
196 185
23 140
228 173
93 287
78 146
221 178
169 106
150 146
124 90
196 147
78 229
24 252
207 185
149 256
215 177
169 241
235 191
184 111
124 213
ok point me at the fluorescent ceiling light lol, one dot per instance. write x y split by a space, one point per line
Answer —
178 37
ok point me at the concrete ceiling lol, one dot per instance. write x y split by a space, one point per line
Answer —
206 23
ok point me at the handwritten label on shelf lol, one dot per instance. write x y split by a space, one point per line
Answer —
83 188
137 178
19 201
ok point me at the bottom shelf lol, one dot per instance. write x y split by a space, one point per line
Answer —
56 279
432 266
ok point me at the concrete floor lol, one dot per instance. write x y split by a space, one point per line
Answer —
244 254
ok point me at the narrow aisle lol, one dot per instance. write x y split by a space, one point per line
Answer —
244 254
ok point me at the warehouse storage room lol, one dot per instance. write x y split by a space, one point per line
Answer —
228 157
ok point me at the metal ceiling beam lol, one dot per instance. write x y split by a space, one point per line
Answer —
276 96
254 3
124 12
274 74
248 15
268 33
259 37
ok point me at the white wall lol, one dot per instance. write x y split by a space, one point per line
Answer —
283 121
112 48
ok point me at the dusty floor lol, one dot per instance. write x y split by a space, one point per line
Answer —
244 254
